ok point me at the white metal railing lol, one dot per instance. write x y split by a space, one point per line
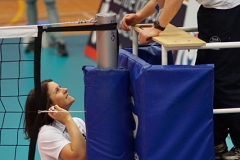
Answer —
215 45
226 110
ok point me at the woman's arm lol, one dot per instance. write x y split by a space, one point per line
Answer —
77 148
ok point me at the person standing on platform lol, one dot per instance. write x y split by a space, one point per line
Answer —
32 16
218 21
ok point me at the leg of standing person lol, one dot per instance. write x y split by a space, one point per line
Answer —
207 30
53 17
234 119
31 10
222 26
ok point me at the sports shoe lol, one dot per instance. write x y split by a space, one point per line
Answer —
220 149
233 154
30 46
61 49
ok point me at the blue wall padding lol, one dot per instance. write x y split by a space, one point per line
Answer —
152 53
173 105
108 115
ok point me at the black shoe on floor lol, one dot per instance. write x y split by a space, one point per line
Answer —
233 154
220 149
30 47
61 49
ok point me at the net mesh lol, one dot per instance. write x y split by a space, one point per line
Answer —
16 80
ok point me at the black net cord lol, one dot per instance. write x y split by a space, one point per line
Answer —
37 86
100 27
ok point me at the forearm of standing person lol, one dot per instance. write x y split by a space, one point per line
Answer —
149 9
170 9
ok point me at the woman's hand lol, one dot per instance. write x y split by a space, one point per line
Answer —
77 148
59 114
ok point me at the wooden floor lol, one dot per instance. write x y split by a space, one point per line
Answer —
13 12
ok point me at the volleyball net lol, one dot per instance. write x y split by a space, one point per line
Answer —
19 73
16 80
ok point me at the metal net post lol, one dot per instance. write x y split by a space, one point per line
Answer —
107 49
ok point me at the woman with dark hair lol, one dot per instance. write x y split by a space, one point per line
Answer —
60 136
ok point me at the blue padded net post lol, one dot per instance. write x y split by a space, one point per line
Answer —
173 108
108 114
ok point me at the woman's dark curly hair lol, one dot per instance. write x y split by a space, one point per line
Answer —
31 109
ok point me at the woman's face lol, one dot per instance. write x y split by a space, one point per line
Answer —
59 96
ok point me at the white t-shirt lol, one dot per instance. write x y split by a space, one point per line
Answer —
219 4
52 138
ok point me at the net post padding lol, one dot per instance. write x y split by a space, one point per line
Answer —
37 86
108 115
173 106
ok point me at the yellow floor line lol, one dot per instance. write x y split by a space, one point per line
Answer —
20 12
